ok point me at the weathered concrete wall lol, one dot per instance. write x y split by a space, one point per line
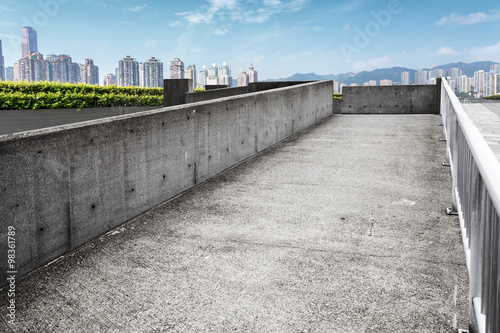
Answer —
207 95
14 121
61 187
414 99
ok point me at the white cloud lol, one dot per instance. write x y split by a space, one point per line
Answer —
7 24
221 31
136 9
5 9
370 64
446 51
490 52
239 10
150 43
481 53
474 18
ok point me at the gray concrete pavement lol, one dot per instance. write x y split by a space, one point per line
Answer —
486 116
341 228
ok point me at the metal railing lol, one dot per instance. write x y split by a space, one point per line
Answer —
476 198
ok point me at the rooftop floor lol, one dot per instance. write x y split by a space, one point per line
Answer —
340 228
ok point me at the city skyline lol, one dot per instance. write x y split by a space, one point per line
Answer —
278 37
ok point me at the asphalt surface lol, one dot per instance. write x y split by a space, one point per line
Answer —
341 228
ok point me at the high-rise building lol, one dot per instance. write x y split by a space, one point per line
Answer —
252 75
128 72
479 83
176 69
386 82
75 73
17 72
62 69
202 77
51 58
28 41
421 77
89 72
9 73
370 83
243 79
225 77
495 84
455 73
2 69
109 80
335 87
190 73
33 68
405 78
153 73
494 69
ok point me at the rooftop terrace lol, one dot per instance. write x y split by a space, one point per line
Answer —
282 218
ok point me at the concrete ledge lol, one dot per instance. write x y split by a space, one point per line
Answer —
14 121
414 99
62 186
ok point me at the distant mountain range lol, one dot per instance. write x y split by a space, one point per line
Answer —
393 73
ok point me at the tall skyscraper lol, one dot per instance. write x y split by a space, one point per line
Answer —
479 83
243 79
128 72
2 68
28 41
176 69
252 75
89 72
62 69
421 77
153 73
190 73
202 77
405 78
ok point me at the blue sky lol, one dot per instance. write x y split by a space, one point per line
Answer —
279 37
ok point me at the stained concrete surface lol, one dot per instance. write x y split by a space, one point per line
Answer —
486 117
341 228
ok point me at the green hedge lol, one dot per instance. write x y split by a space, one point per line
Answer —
492 97
337 96
53 95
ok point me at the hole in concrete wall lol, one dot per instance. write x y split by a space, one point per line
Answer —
39 152
93 206
131 131
133 189
188 118
41 229
91 140
164 176
163 123
209 156
189 165
209 113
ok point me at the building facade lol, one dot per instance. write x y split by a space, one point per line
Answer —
176 69
2 64
153 73
109 80
89 72
243 79
405 78
127 73
190 73
29 42
33 68
252 75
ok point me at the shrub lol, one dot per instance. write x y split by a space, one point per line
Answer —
55 95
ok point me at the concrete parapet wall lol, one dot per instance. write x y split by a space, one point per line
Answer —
413 99
14 121
63 186
207 95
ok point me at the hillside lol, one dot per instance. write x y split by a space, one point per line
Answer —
393 73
